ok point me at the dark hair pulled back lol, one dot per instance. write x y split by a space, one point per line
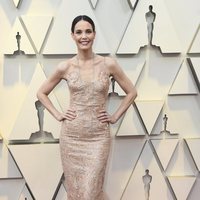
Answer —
84 18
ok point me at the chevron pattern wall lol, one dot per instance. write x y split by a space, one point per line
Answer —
159 135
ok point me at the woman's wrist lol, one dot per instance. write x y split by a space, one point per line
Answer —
58 116
113 119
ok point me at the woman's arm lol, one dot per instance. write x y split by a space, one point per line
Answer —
46 89
126 85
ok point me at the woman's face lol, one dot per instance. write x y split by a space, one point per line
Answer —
83 35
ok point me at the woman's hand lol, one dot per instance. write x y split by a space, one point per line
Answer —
105 117
69 115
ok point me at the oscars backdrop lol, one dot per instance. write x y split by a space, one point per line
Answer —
155 145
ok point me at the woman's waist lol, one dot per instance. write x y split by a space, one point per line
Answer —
87 112
85 122
87 107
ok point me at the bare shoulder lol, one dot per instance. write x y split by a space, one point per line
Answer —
110 61
63 67
112 65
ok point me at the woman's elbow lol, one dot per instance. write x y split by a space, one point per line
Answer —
134 94
39 94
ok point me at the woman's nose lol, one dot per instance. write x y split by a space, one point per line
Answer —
84 35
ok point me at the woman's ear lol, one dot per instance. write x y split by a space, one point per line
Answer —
94 34
72 34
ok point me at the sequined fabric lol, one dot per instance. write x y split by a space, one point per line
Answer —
85 141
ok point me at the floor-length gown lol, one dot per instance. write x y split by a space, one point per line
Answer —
85 141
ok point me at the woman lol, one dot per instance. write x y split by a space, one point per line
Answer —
85 135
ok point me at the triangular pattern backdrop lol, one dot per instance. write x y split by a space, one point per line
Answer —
158 134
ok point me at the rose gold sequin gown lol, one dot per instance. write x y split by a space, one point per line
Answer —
85 141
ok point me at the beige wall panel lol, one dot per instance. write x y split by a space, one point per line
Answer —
133 3
121 164
16 76
158 75
194 193
194 146
181 163
43 176
8 166
184 82
184 15
194 48
132 68
113 21
149 112
158 186
28 113
195 66
131 124
164 149
159 126
25 194
163 128
164 34
11 44
16 71
183 112
136 35
17 2
62 194
94 3
11 189
37 27
182 186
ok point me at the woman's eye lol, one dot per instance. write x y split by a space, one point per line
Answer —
89 31
78 32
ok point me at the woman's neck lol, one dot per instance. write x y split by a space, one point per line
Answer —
85 55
